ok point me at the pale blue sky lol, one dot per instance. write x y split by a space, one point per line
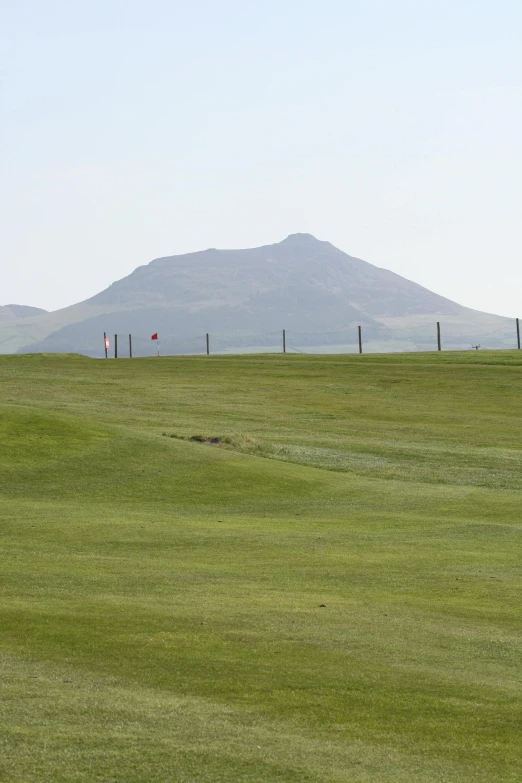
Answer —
131 130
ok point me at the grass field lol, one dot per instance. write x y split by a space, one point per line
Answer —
330 593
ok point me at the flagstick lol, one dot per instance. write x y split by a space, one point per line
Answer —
157 344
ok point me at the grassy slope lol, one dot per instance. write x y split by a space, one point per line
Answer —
161 614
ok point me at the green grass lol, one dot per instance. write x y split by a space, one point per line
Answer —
330 593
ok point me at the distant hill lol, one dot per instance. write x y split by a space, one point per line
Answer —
14 312
17 328
244 298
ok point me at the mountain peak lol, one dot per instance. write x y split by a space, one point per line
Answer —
301 239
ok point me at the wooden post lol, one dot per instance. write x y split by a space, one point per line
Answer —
360 338
208 344
518 334
439 344
115 346
130 346
105 344
284 340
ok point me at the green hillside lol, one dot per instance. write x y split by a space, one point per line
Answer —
329 591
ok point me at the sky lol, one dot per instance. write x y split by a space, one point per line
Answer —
131 130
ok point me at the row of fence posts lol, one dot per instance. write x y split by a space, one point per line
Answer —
106 345
359 331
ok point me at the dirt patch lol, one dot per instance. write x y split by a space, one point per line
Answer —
240 442
214 441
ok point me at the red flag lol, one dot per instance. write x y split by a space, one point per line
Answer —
154 336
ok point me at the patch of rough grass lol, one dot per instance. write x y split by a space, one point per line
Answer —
432 463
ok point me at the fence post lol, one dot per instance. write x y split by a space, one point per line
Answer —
115 346
105 343
518 334
439 344
360 338
208 344
284 340
130 346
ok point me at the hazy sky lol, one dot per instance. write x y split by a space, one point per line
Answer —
132 129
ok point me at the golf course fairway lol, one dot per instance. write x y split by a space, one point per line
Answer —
270 568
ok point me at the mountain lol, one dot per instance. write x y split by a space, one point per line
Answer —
14 312
16 326
244 298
